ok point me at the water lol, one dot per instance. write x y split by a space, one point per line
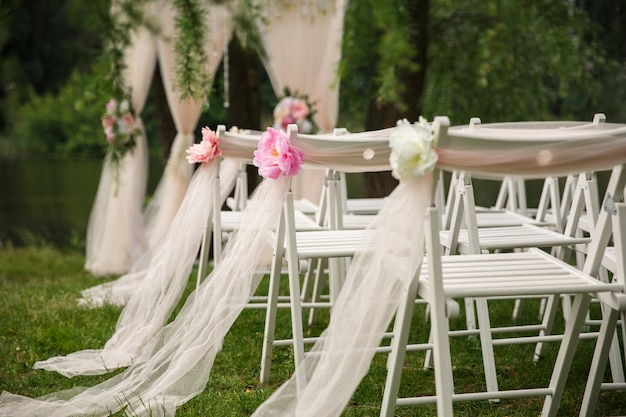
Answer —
49 201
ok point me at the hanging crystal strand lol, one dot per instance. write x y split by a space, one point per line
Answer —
323 6
226 68
214 54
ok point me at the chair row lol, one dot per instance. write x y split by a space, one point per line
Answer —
474 255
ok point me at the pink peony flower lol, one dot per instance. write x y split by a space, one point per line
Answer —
299 109
292 110
276 155
110 135
108 122
283 108
111 106
286 122
205 151
129 119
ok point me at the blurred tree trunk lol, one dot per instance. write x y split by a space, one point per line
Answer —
164 121
245 97
411 83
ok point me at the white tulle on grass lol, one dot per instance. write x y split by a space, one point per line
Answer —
174 365
119 291
158 289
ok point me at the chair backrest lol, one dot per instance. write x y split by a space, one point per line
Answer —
239 146
240 194
602 230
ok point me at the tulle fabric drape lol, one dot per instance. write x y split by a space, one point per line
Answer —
185 112
176 363
155 295
377 277
115 237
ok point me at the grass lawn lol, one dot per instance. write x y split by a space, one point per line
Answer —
39 318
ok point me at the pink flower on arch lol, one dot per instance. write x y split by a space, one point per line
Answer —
276 155
293 110
205 151
111 106
299 109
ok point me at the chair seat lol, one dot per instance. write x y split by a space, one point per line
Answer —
364 205
609 260
523 236
533 272
487 218
303 205
230 220
330 243
357 221
505 218
585 222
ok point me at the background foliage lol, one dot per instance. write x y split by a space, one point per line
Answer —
495 59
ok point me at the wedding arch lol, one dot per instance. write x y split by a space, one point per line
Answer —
185 112
302 41
115 237
119 235
151 292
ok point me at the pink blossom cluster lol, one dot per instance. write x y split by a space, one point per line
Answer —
276 155
118 122
205 151
291 110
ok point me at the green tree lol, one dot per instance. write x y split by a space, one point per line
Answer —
494 59
505 60
608 21
41 43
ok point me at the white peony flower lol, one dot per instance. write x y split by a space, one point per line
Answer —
412 153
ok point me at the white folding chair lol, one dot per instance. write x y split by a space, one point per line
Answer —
530 273
607 335
465 236
224 222
505 212
335 245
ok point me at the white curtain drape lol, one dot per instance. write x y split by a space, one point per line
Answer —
115 236
303 45
185 112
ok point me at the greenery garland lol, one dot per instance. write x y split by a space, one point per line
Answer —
191 73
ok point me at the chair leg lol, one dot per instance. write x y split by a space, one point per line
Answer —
272 302
549 315
270 326
486 342
296 314
428 355
598 363
566 354
444 382
615 355
308 281
399 341
318 288
470 313
516 309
